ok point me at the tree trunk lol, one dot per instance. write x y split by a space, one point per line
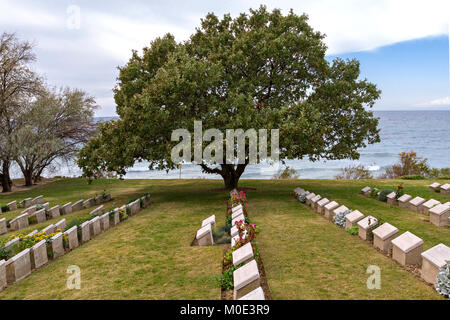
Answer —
231 175
6 180
28 175
230 182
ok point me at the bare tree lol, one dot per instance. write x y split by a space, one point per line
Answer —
55 125
17 82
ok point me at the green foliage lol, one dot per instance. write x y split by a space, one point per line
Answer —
6 253
32 220
261 69
442 284
339 219
353 230
354 172
383 194
374 192
226 279
416 177
302 198
5 208
286 173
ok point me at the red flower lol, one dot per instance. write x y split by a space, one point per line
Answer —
399 187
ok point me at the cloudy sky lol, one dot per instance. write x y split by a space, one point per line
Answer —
402 44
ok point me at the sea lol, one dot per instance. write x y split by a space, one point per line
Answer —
425 132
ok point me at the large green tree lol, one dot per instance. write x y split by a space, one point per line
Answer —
261 70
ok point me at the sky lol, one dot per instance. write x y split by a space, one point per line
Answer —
402 45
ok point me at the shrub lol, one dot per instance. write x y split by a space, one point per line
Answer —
374 192
416 177
302 198
39 207
123 214
383 194
352 230
5 208
409 165
339 219
399 192
226 279
442 285
286 173
6 253
32 220
354 172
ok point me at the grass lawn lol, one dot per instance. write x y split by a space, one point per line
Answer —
305 257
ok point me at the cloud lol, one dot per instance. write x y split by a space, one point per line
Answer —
87 57
440 102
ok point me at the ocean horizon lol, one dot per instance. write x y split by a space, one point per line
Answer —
425 132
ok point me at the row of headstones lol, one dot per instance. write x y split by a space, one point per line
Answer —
246 279
23 221
406 249
22 264
437 187
439 212
28 202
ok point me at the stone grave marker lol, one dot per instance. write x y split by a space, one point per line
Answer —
39 255
246 279
383 236
66 209
72 235
54 212
243 255
407 249
328 209
12 206
403 201
366 191
352 218
18 267
104 221
321 204
77 206
434 187
211 220
57 245
257 294
426 206
439 215
415 204
204 236
432 260
365 226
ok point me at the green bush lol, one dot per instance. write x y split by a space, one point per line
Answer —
374 192
5 208
352 230
226 279
417 177
383 194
